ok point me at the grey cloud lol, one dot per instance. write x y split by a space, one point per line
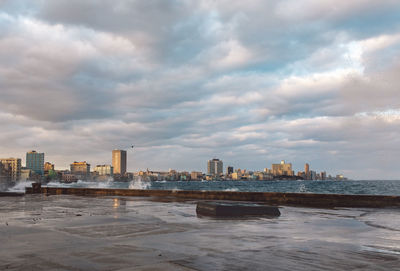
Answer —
250 83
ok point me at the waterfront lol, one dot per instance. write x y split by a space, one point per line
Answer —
66 232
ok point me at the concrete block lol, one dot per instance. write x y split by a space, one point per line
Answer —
235 209
36 188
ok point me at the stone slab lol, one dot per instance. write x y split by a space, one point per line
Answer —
235 209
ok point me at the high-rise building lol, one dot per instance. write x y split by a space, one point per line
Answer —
229 170
35 162
13 166
307 171
214 167
119 161
282 169
80 169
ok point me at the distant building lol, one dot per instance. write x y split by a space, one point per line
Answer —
229 170
5 176
49 171
195 175
307 171
26 174
172 175
282 169
236 175
81 170
104 170
13 166
48 166
184 176
313 175
119 161
214 167
68 178
35 162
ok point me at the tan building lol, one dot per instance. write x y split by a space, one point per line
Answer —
104 170
80 169
14 168
119 161
48 166
307 171
196 176
236 175
282 169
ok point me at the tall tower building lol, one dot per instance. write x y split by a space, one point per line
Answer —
307 171
214 167
13 165
119 161
35 162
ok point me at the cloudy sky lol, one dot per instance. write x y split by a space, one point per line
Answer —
250 82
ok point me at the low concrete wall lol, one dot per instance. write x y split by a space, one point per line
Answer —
11 194
292 199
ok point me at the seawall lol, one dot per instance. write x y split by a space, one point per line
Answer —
273 198
11 194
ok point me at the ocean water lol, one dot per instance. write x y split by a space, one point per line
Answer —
370 187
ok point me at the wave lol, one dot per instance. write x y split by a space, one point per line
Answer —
81 183
232 189
138 183
20 186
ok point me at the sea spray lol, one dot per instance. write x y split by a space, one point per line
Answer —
139 183
19 186
232 189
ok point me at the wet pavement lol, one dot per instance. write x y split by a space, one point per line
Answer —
67 232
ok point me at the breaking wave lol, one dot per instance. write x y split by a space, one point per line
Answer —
139 183
20 186
232 189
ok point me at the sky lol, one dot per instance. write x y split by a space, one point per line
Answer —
249 82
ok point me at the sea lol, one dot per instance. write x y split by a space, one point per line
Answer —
360 187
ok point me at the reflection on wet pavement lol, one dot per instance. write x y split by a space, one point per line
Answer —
121 233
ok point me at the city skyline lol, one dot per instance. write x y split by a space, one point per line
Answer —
214 168
252 83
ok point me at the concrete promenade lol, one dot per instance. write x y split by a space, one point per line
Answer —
69 232
288 199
